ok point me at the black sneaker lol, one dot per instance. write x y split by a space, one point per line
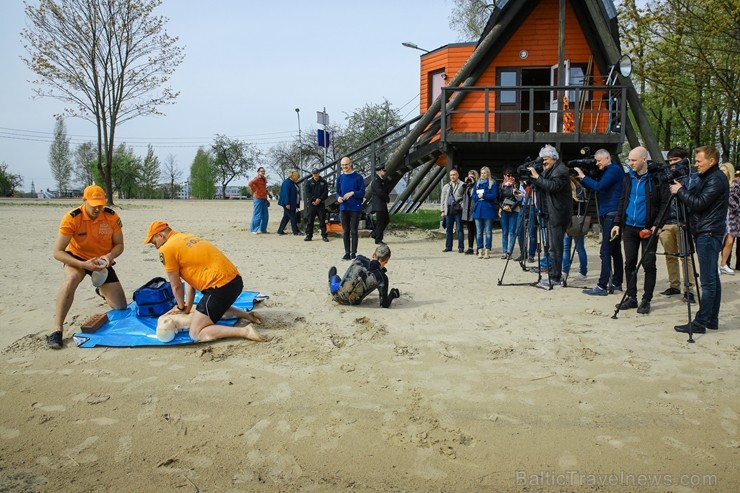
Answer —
346 256
644 307
627 304
670 292
690 296
332 272
615 287
447 250
469 251
325 238
695 328
307 238
353 256
55 340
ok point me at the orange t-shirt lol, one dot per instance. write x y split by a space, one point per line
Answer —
201 264
90 237
258 185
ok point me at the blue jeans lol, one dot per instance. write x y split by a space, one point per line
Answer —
580 249
708 248
610 253
508 230
454 221
483 227
260 216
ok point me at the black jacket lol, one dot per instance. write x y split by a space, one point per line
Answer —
557 202
659 197
381 195
316 189
708 202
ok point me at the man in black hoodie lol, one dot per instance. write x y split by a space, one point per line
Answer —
708 202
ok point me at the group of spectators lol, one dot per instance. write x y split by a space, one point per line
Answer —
350 195
635 209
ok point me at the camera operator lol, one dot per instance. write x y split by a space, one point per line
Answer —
557 206
708 202
669 238
640 213
608 188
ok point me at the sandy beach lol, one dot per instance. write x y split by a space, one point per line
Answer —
462 385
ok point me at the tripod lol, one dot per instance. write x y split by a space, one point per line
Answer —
523 236
685 246
685 251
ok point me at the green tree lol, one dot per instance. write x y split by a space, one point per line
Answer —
232 158
469 18
110 60
60 160
126 171
202 183
149 175
8 181
85 162
687 69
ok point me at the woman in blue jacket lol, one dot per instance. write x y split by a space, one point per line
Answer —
485 200
350 193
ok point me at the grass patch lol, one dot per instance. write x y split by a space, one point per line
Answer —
422 219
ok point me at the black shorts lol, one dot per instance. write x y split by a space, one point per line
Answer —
216 301
112 276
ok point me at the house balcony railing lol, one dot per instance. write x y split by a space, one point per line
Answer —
524 113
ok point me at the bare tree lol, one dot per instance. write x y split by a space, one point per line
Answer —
60 160
109 59
171 173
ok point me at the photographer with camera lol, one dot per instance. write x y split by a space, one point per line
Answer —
708 202
640 214
467 205
556 207
510 200
608 188
669 237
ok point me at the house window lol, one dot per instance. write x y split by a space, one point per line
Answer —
437 80
507 79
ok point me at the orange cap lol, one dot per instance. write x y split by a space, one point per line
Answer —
94 195
154 228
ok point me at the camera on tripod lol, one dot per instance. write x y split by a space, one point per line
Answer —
667 172
524 173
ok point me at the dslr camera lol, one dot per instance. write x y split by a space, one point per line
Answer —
524 173
667 173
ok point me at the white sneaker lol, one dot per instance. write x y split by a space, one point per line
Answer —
725 269
581 277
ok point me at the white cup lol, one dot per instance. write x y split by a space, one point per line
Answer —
480 194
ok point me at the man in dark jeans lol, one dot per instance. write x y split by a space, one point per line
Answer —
708 202
608 189
557 208
317 190
379 204
641 212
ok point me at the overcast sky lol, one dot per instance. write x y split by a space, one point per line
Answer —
248 65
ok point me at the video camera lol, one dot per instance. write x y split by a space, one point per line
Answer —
524 173
586 163
666 172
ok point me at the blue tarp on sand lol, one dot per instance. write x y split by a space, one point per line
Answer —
125 329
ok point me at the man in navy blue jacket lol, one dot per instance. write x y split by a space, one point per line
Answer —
608 189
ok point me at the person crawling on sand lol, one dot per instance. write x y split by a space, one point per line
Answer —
187 257
362 278
174 321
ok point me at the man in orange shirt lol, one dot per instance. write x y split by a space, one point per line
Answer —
187 257
260 202
90 238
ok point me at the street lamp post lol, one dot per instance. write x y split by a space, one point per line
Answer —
300 148
413 46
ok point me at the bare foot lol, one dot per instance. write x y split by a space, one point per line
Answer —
251 334
253 317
